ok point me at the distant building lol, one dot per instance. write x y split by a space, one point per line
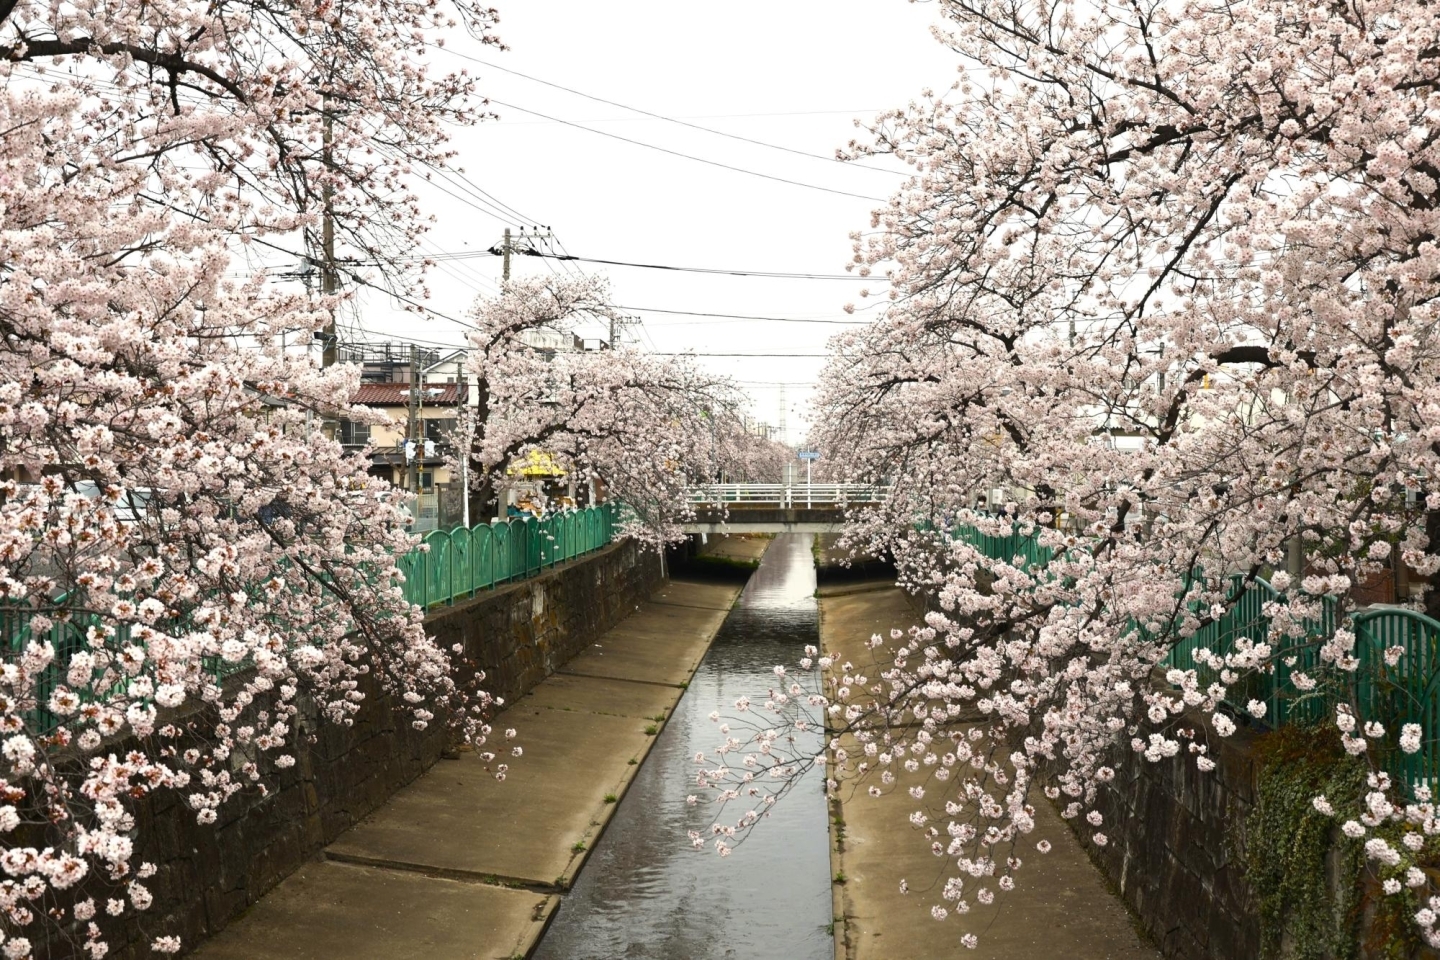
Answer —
438 393
442 392
551 342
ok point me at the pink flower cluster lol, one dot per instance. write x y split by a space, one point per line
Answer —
1161 321
190 568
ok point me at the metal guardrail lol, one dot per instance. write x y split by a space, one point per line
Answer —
454 564
458 563
788 495
1406 690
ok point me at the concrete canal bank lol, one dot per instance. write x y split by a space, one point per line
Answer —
1061 906
457 865
518 633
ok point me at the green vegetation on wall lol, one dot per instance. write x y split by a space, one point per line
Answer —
1307 900
1308 877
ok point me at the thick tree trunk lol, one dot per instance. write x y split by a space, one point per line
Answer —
482 505
1432 534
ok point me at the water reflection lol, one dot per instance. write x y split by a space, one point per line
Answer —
644 892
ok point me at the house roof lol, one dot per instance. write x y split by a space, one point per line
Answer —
398 394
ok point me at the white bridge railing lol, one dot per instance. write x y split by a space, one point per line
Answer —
787 495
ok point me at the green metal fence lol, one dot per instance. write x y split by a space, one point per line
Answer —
1406 690
1245 618
458 563
455 564
1018 549
67 636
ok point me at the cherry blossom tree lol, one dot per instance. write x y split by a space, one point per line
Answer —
187 563
747 457
646 427
1162 297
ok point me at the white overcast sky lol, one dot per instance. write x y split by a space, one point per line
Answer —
791 72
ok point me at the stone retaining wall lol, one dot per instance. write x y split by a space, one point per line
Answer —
1175 841
522 633
1173 835
518 634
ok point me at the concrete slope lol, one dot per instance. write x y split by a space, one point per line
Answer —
458 865
1061 906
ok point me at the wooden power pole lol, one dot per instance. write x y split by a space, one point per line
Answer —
329 282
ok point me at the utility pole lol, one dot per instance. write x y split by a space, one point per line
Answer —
413 427
466 417
617 328
506 248
784 428
329 282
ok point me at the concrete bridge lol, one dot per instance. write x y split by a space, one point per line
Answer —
778 507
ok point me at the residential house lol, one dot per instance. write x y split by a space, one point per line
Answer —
411 452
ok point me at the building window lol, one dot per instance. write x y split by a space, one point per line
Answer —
439 429
401 479
353 434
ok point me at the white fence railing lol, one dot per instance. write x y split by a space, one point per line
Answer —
788 495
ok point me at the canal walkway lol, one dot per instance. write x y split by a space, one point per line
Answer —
1061 906
458 866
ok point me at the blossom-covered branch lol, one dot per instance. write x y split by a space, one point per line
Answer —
1162 304
646 426
189 567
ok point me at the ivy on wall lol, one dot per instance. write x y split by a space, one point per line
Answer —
1309 902
1308 877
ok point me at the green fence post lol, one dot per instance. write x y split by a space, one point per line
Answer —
461 562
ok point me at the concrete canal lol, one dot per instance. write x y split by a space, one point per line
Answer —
644 893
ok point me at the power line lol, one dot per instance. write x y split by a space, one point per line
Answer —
768 274
476 197
738 316
490 198
479 198
568 265
533 252
488 209
710 116
356 278
471 277
645 332
682 123
687 156
375 336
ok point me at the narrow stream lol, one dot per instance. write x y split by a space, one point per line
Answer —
645 893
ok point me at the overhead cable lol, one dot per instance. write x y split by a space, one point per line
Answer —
740 316
768 274
720 271
687 156
678 122
699 353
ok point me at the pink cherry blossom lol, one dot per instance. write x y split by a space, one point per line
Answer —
190 565
1159 323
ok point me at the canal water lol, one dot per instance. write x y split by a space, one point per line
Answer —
645 892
